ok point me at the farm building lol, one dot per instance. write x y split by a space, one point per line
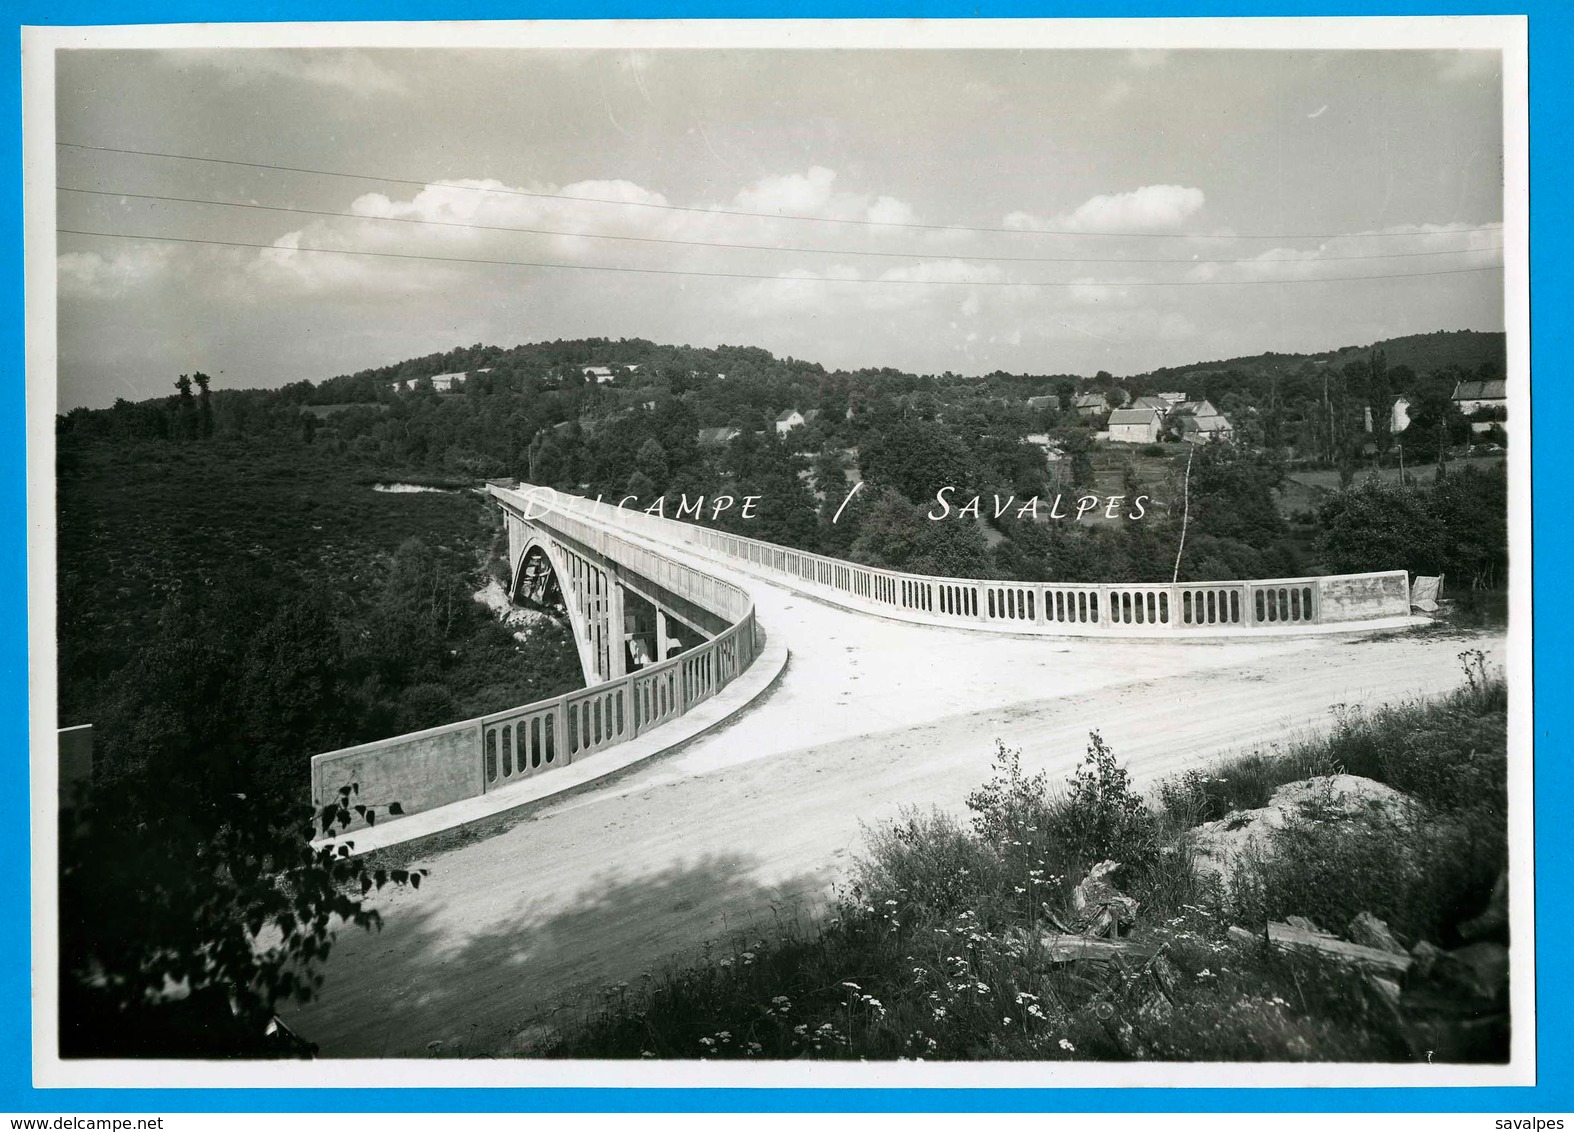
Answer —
1135 426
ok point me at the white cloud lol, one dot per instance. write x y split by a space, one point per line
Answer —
1475 245
1151 208
129 267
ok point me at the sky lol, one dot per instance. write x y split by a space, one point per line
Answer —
1043 211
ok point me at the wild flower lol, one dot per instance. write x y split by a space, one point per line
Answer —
707 1042
1065 1044
1206 974
853 986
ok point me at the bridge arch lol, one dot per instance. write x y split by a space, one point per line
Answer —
540 562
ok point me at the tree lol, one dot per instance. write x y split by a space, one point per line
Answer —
917 458
205 406
185 410
1379 526
1436 424
183 923
651 461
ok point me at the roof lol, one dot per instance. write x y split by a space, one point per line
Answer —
1040 402
1151 401
1133 417
717 435
788 415
1481 391
1189 423
1087 400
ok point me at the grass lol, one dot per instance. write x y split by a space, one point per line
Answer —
1303 491
933 952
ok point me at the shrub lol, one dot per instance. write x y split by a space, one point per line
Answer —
1103 818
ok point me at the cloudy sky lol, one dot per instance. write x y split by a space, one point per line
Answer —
1043 211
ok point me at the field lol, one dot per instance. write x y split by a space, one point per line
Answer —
1303 491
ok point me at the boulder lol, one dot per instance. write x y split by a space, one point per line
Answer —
1426 956
1478 969
1216 846
1492 923
1368 930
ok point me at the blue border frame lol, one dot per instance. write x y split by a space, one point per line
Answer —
1551 125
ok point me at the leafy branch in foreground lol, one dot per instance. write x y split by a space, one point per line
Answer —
183 923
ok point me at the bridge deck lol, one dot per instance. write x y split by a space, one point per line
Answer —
765 812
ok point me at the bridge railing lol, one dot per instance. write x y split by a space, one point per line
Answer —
426 769
1048 607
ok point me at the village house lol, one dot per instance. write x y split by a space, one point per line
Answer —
1090 404
441 382
1203 430
1472 396
1153 401
1135 426
710 436
603 374
788 421
1399 415
1048 401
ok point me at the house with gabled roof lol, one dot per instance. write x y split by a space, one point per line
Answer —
1135 426
1090 404
1472 396
788 421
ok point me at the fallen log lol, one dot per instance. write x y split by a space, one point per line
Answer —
1287 937
1068 948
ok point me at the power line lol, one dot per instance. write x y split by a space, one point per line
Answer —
732 246
768 278
744 212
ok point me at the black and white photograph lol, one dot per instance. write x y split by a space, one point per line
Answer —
841 552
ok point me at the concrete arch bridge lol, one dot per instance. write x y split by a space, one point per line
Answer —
664 621
704 779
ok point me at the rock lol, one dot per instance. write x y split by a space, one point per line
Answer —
1425 955
1240 935
1387 990
1478 969
1166 976
1100 908
1367 929
1492 923
1217 846
1305 925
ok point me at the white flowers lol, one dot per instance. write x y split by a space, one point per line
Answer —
1065 1044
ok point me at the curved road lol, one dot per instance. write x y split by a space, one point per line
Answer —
751 823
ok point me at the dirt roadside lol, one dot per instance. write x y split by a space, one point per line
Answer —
753 823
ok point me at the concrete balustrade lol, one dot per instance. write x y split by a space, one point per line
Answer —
435 767
1082 609
596 545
